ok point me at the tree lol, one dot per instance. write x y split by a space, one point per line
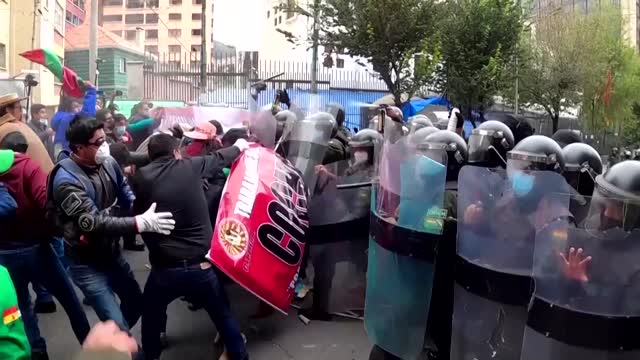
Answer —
478 41
577 60
395 36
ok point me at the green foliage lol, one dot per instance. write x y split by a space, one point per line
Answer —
631 127
478 41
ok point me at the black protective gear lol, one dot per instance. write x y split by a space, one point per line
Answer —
622 180
454 145
539 152
565 137
519 126
489 144
582 165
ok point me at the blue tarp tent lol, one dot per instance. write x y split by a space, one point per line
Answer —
415 106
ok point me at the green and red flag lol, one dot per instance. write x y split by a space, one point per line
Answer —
71 84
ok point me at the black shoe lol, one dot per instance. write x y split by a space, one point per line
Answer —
48 307
313 314
39 355
133 246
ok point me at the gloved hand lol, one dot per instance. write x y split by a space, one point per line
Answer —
151 221
241 144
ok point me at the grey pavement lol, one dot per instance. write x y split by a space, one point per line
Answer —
191 334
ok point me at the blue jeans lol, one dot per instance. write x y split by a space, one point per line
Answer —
100 283
165 285
42 295
40 263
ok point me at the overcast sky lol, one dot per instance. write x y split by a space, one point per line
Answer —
238 23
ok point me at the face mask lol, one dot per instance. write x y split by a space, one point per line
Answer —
119 130
361 156
103 153
522 183
44 122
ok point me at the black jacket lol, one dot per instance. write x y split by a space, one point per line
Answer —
176 186
82 200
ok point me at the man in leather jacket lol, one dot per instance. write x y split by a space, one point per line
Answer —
82 190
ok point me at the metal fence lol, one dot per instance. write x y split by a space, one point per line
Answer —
176 77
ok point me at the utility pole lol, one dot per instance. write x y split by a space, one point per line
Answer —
203 50
93 40
314 38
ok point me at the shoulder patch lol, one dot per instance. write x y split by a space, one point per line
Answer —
71 204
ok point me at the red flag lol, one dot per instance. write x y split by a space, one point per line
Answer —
71 83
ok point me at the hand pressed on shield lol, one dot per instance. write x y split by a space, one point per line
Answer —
151 221
107 336
473 213
574 265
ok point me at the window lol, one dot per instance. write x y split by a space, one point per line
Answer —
134 19
197 2
3 56
340 63
151 34
75 20
152 3
58 20
173 49
196 48
112 18
135 4
174 64
123 65
196 16
112 2
175 33
175 16
130 34
69 17
153 49
152 19
196 32
176 2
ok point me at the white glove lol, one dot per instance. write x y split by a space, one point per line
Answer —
241 144
151 221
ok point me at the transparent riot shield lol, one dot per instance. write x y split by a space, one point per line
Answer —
339 219
587 279
262 126
497 226
406 224
307 144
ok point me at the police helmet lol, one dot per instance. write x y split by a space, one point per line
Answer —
565 137
418 122
337 111
616 198
421 134
489 144
284 119
454 146
367 140
536 152
582 164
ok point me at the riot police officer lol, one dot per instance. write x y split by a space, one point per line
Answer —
587 289
500 212
489 144
582 165
418 122
565 137
410 226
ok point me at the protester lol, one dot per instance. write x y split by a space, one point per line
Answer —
10 121
82 190
141 124
13 339
67 110
178 264
204 140
25 249
39 123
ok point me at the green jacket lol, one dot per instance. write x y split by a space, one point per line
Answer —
13 339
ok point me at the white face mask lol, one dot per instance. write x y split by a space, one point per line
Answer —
361 156
103 153
44 122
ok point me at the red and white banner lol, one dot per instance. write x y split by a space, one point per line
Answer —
261 228
192 115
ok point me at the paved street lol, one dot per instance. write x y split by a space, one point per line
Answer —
191 334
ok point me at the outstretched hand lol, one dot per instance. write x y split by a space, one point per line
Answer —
574 264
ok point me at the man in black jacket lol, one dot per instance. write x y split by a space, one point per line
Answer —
82 191
178 264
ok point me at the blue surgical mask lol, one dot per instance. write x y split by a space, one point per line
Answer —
119 130
522 183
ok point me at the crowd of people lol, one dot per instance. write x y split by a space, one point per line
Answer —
442 204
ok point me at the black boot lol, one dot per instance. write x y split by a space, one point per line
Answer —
48 307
